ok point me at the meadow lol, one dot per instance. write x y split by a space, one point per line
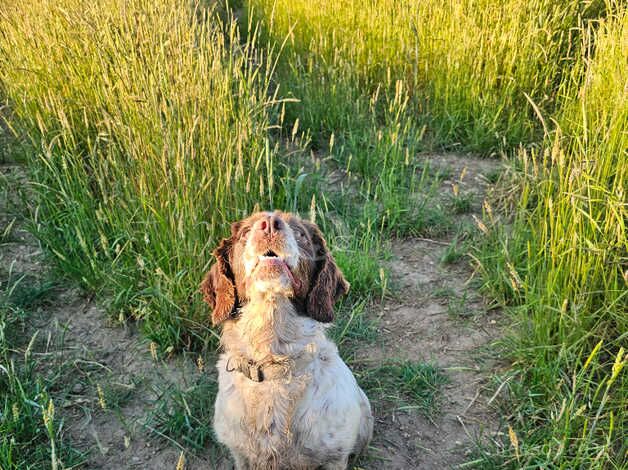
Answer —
146 127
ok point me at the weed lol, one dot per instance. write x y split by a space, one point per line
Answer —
443 293
493 176
457 306
114 394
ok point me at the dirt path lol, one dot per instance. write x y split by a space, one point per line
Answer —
436 317
437 320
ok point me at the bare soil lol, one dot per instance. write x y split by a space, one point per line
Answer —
437 316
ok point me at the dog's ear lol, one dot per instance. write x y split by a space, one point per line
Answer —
328 283
218 287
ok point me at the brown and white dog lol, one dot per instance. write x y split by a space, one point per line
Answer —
286 400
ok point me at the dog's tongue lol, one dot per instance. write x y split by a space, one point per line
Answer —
295 282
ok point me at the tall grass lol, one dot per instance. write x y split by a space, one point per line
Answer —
154 124
564 268
149 122
467 65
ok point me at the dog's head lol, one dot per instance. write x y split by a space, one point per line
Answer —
274 253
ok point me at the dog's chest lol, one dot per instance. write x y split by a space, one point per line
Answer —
270 406
260 417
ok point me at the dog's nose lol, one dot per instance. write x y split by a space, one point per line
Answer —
270 224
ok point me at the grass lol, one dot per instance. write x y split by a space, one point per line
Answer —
185 416
407 384
148 126
460 203
464 67
562 268
31 433
454 251
140 160
126 202
352 327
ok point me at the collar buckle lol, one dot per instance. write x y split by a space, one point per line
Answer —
249 368
255 372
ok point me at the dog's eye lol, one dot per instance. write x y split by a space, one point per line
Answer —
244 232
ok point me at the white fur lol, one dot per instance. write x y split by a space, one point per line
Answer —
315 416
290 252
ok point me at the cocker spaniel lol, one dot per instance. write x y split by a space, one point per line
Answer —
286 400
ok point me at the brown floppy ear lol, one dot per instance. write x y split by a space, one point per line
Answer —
328 282
218 287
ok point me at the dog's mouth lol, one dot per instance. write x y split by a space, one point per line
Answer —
271 258
272 263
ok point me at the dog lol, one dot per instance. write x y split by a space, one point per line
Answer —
285 400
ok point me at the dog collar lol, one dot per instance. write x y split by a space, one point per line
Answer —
257 371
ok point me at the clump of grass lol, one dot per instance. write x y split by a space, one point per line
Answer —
407 384
394 193
114 394
562 267
459 200
454 251
457 306
582 427
149 124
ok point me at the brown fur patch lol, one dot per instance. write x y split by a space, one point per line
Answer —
328 284
218 288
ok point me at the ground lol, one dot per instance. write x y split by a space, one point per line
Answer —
115 384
